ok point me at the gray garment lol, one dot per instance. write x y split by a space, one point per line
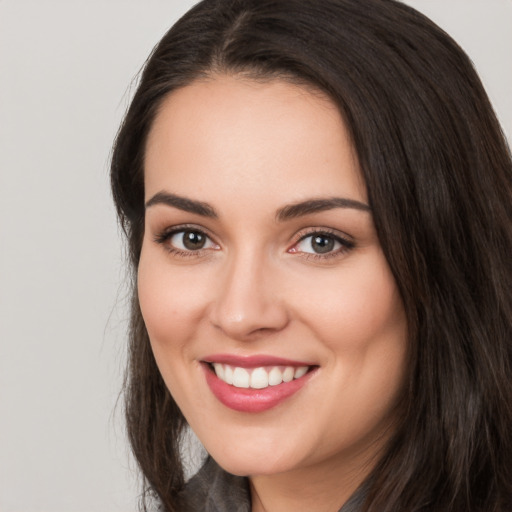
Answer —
214 490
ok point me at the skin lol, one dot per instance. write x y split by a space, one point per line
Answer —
248 149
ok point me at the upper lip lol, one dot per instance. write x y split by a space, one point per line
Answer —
253 361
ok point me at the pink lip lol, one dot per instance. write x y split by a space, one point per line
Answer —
253 361
253 400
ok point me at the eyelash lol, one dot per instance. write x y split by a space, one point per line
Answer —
345 243
165 236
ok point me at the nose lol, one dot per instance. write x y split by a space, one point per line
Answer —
248 303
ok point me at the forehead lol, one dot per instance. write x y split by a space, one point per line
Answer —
234 134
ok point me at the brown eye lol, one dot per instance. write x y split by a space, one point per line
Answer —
193 240
187 240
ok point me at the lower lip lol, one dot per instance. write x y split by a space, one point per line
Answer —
252 400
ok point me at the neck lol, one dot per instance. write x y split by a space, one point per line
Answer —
324 488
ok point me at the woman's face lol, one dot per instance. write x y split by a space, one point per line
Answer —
272 313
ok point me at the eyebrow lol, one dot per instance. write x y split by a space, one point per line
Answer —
288 212
295 210
182 203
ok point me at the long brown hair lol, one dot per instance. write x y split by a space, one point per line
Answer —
439 178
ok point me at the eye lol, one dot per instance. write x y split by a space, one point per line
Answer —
322 244
183 241
190 240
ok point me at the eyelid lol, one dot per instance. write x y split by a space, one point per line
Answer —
320 230
347 243
170 230
163 236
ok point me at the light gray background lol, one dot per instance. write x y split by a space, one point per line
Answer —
65 70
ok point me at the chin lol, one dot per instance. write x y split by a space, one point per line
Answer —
258 461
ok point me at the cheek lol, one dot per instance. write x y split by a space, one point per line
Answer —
359 317
357 309
171 302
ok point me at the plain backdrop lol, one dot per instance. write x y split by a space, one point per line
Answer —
65 74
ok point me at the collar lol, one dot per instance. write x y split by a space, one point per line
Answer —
214 490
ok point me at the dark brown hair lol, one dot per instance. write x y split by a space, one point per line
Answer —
439 178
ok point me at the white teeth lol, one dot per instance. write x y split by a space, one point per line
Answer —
275 377
288 374
241 378
219 370
299 372
258 378
228 375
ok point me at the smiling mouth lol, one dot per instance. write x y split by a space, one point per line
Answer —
255 384
257 378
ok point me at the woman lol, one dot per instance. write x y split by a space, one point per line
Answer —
317 200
